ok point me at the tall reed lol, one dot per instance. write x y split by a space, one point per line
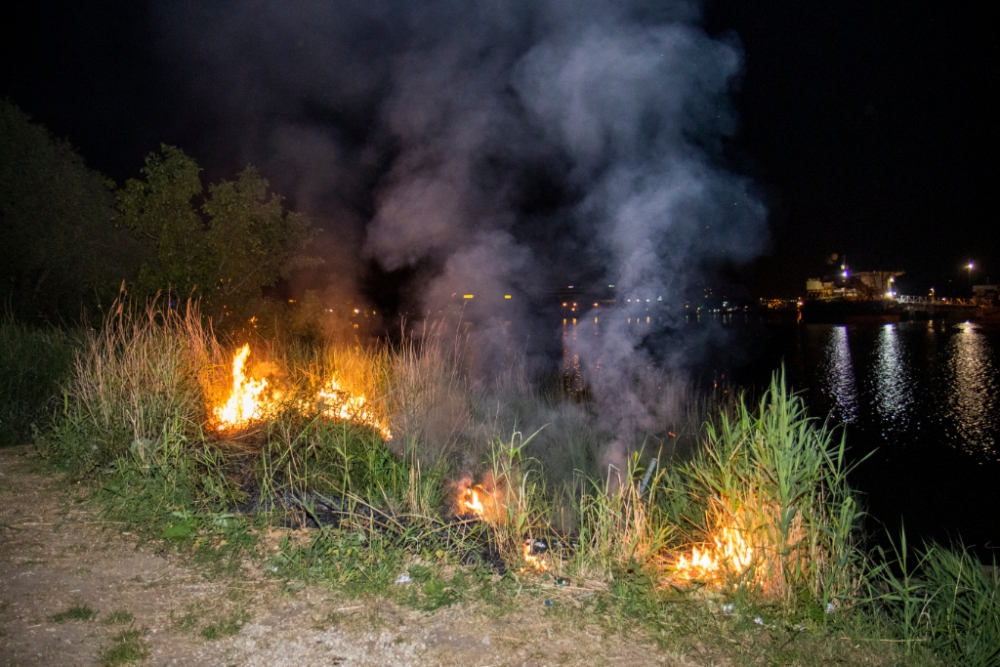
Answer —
778 478
942 598
621 524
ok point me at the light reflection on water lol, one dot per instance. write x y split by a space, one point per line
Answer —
572 375
914 381
908 387
972 391
894 384
838 376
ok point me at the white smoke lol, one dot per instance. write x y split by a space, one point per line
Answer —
496 148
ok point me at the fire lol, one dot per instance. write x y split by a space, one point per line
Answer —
338 403
729 554
253 399
486 502
533 556
471 502
246 402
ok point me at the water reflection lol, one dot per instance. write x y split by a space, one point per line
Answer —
572 376
894 388
971 378
838 376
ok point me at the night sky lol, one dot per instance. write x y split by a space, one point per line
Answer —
868 128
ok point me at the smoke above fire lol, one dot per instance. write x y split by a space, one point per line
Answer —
491 148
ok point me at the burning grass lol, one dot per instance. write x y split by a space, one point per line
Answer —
190 441
770 490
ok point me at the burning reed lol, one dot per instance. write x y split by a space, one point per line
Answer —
769 492
309 431
760 513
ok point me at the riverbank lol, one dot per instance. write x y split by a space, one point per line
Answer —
75 589
340 478
58 555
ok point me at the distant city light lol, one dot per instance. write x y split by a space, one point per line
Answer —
467 296
506 296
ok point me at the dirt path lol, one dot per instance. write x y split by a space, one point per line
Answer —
58 557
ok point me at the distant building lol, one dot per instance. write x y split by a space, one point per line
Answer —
861 285
820 289
876 284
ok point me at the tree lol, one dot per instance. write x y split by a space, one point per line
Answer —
60 250
159 211
225 251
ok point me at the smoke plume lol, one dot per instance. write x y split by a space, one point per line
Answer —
509 147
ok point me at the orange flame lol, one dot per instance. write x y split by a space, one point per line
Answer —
246 401
534 561
730 554
338 403
470 501
251 400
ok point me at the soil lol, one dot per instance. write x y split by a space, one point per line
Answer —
57 554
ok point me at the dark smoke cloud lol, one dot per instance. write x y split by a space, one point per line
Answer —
501 147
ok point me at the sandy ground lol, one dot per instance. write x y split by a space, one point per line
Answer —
56 554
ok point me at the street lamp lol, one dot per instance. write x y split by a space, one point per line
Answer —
969 267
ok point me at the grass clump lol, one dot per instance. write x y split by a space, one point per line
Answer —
942 599
129 647
119 617
775 480
80 613
137 388
227 627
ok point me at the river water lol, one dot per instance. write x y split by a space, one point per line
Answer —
922 399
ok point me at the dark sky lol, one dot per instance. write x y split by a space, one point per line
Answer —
869 127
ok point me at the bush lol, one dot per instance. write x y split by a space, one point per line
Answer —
33 363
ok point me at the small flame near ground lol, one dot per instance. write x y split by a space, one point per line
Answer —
471 501
729 554
534 556
250 401
481 502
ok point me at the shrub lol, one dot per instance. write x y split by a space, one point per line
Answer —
33 363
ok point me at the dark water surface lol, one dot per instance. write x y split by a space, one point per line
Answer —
923 396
